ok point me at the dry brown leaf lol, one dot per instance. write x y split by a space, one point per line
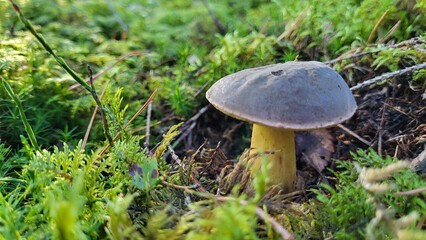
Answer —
315 148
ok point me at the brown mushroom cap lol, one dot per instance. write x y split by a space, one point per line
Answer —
291 95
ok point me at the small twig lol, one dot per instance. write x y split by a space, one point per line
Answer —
202 88
412 192
191 123
133 130
101 109
389 75
145 105
264 216
193 187
175 157
379 130
148 126
346 56
354 134
391 31
92 119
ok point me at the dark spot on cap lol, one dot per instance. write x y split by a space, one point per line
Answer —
277 73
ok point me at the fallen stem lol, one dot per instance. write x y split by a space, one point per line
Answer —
412 192
350 132
346 56
389 75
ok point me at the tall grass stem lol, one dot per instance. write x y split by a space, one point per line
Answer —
24 120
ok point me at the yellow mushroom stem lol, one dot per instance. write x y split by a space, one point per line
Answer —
278 146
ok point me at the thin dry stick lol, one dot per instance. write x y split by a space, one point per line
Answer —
108 146
92 119
148 126
370 38
264 216
354 134
192 123
145 105
350 55
174 156
167 184
412 192
380 130
133 130
391 31
389 75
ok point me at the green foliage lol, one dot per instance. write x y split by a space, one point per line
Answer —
145 177
127 160
168 137
221 222
346 207
119 225
393 58
68 195
115 112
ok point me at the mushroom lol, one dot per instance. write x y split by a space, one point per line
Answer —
280 99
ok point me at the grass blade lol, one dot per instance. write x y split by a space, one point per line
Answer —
24 120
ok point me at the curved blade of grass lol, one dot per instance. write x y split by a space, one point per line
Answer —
24 120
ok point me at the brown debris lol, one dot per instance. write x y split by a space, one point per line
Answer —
315 148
